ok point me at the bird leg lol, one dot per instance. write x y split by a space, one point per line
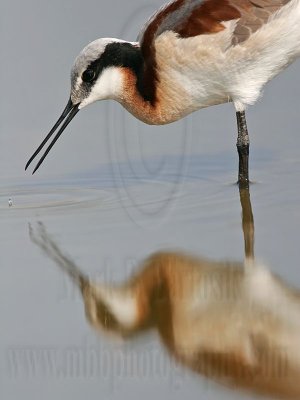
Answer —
243 149
247 223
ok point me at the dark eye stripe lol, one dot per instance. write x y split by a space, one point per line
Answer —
117 55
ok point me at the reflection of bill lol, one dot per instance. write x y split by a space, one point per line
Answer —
235 323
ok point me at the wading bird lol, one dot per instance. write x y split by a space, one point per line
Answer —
191 54
239 326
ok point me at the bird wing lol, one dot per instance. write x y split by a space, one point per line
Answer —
190 18
254 14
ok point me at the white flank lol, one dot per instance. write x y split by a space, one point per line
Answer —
212 71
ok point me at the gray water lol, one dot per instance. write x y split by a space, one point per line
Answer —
113 191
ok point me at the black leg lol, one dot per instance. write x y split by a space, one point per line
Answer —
243 149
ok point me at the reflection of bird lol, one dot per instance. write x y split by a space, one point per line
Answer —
235 325
190 55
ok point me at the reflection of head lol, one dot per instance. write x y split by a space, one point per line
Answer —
111 310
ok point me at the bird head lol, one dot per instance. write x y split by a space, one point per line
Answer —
97 74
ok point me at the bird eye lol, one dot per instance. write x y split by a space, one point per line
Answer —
88 75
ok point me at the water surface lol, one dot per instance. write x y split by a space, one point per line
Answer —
107 220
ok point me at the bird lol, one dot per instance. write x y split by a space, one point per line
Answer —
235 323
189 55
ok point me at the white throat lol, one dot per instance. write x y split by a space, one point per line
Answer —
109 85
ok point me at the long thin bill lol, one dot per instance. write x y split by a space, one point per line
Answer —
65 113
69 118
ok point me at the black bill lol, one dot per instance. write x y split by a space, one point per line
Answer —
68 114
